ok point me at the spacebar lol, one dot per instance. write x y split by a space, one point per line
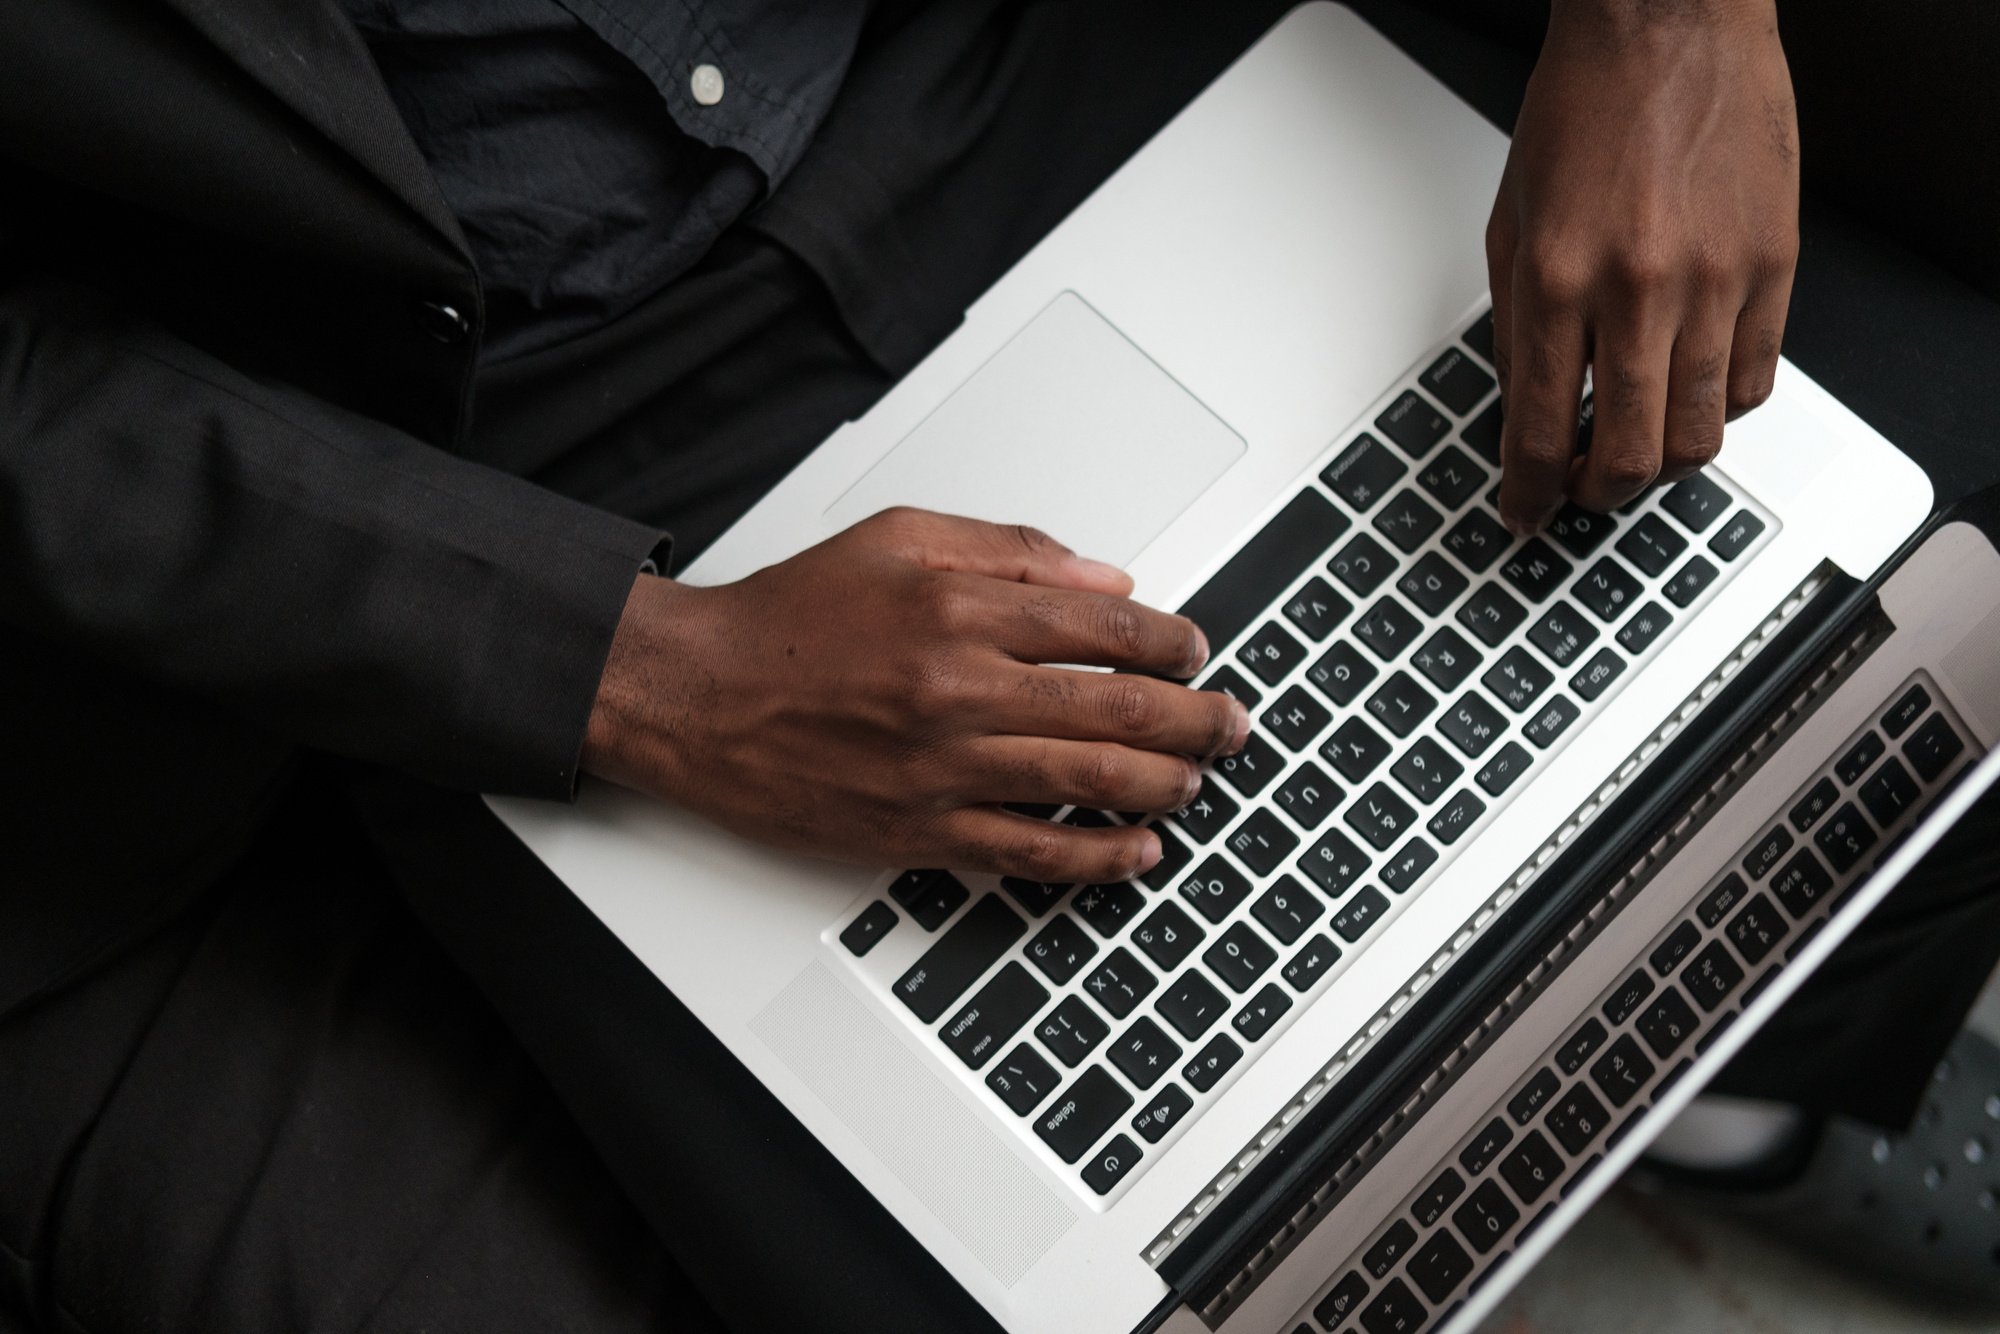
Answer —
959 957
1240 591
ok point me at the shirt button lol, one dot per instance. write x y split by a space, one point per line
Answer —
442 321
706 85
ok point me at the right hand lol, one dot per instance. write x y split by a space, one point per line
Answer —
878 697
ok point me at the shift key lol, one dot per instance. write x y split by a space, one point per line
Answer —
959 957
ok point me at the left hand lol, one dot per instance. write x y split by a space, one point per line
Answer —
1646 228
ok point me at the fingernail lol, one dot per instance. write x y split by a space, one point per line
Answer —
1149 854
1242 732
1200 652
1098 569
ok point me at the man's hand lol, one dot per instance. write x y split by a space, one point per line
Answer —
877 697
1646 228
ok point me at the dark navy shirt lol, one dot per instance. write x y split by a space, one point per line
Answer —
593 150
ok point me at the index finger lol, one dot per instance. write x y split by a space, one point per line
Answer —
1538 438
1053 625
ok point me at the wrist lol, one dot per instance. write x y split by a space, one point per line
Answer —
1635 18
650 663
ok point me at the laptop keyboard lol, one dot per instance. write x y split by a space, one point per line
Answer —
1643 1033
1407 664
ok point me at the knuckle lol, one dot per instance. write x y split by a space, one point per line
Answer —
1133 710
1553 272
1629 470
1033 540
1120 628
1696 446
937 690
1644 272
1101 777
1039 853
1750 391
1538 443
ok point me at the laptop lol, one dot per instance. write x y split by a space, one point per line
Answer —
1527 837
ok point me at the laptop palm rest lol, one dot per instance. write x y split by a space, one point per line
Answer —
1069 427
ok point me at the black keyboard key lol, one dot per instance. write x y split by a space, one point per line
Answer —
1909 707
1309 796
1082 1113
1766 852
1036 896
1022 1080
1110 1164
1389 1249
1485 1146
1843 838
1579 531
1425 771
1342 1301
1408 865
1296 719
1734 537
1264 1009
1932 747
1163 1113
1119 983
1262 842
958 958
911 886
1696 502
1408 520
1192 1005
869 925
1486 1216
1580 1046
1072 1030
1517 680
1597 674
1439 1266
1445 659
1689 582
1226 680
1215 889
1859 757
1724 897
1625 1000
1364 473
1252 579
1212 1062
1680 943
1818 800
1452 478
1380 816
1362 565
1562 634
1576 1119
1622 1071
1439 1196
1395 1310
1652 545
1061 948
1531 1169
1491 614
1647 624
1457 381
1667 1022
1144 1053
1456 816
1167 936
1359 914
1472 724
1310 964
1606 590
1400 704
1355 750
1711 977
1480 337
1551 720
1253 768
940 897
1413 424
1174 857
1477 540
1334 863
1316 609
1801 883
1536 1094
1536 570
1387 628
1433 583
1286 909
1270 653
1209 813
1503 769
1239 957
1108 907
994 1014
1341 673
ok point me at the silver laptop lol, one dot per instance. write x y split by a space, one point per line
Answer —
1521 827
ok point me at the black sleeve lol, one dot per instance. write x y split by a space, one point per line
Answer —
326 575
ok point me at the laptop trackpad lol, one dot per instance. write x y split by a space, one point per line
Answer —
1069 427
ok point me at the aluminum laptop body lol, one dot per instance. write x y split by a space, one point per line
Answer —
1249 350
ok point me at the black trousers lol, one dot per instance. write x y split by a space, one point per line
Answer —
387 1074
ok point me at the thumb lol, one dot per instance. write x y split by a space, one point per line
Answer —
1011 551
